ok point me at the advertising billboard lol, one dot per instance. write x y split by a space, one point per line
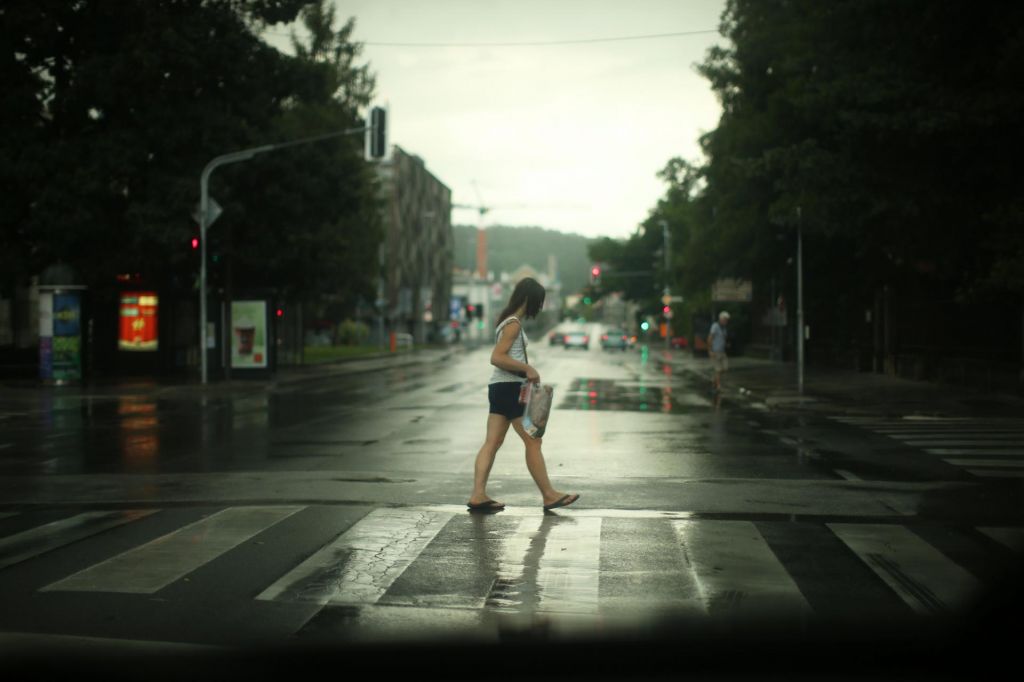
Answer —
60 336
138 331
249 334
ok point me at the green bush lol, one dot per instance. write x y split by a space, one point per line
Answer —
352 333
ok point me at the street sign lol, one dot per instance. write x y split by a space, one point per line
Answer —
738 290
668 300
213 211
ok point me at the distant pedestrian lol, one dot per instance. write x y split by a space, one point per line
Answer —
716 349
511 371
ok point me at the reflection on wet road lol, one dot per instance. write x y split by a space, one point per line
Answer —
402 421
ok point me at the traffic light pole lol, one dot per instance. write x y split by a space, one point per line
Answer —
800 300
668 289
204 204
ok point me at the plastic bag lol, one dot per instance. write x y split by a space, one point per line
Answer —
538 408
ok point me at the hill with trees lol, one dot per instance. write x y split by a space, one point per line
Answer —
510 247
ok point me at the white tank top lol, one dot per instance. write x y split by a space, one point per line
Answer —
516 352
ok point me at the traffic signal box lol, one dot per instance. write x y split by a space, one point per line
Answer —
378 133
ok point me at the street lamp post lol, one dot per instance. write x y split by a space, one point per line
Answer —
668 289
204 203
800 300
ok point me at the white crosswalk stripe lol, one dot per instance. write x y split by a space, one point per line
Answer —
983 447
735 570
528 563
361 564
156 564
918 572
1011 537
31 543
559 574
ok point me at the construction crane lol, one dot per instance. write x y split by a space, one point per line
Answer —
482 210
481 236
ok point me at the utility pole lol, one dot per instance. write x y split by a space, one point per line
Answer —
204 205
800 300
668 289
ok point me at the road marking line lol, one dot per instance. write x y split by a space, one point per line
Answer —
923 577
849 476
960 444
1011 537
513 587
736 571
1005 463
156 564
361 564
535 512
975 452
570 567
1000 437
35 541
995 473
550 564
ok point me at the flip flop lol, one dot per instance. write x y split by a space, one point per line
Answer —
489 505
562 502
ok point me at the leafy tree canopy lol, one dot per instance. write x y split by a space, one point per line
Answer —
113 109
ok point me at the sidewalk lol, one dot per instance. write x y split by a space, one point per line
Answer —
771 385
291 375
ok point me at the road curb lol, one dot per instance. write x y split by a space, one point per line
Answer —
755 398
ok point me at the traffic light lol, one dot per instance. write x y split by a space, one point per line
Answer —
378 133
595 274
195 243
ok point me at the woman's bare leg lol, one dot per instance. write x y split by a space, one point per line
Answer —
497 427
535 463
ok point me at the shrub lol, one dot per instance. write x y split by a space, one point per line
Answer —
352 333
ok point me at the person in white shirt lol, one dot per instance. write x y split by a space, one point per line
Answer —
716 349
511 369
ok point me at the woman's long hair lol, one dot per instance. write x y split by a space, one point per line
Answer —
528 291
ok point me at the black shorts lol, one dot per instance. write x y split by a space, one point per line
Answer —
504 399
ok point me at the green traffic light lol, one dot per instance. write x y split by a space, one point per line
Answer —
645 326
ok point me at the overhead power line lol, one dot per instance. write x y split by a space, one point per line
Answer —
539 43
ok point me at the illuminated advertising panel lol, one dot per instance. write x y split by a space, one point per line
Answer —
138 321
248 334
61 343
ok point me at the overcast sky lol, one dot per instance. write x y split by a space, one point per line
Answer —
565 137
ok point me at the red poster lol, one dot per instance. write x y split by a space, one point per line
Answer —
138 321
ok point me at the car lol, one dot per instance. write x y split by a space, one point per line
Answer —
556 338
576 340
614 339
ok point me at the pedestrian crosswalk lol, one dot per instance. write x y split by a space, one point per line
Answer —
593 563
983 447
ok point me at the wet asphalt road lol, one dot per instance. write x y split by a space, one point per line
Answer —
331 510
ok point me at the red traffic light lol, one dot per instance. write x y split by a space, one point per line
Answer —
195 242
595 271
666 309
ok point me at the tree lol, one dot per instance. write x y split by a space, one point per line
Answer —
113 109
305 220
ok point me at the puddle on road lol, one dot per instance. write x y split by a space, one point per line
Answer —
608 394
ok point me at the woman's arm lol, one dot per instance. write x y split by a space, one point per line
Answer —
501 359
